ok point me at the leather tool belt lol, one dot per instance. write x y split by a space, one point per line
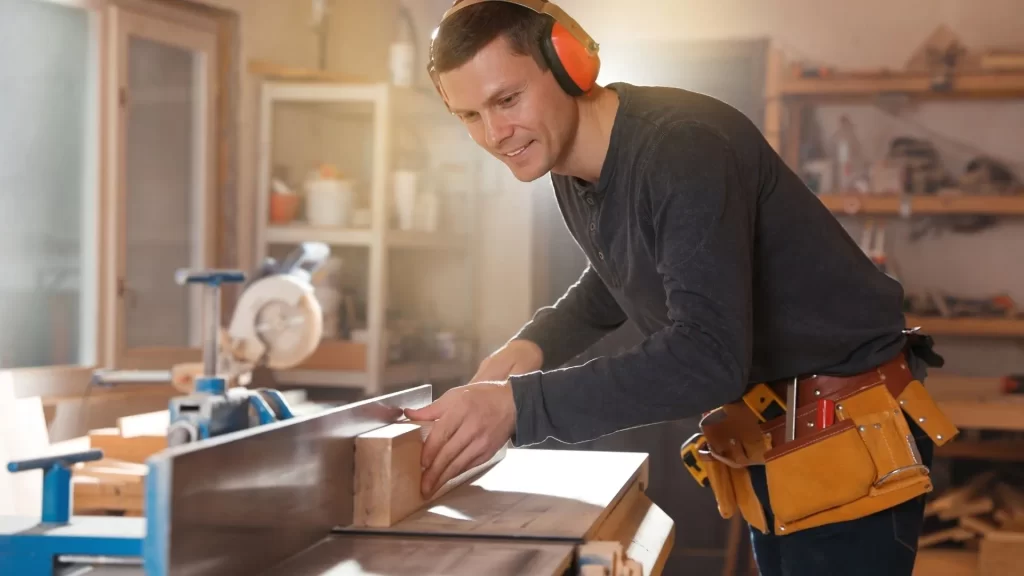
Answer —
852 452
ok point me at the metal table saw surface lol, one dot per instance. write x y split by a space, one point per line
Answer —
278 499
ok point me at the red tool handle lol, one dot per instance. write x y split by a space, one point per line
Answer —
826 415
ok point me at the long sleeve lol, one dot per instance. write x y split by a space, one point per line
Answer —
583 315
702 226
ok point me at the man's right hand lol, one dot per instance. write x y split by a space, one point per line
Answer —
515 358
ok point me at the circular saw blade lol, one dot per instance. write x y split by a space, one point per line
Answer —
289 332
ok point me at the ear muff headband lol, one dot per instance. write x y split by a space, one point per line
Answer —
570 52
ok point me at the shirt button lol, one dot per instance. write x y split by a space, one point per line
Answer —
593 226
600 255
590 200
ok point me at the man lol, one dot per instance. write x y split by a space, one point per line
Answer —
697 231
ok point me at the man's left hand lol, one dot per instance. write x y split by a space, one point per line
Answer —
471 423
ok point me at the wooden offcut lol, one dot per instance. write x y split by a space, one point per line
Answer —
388 474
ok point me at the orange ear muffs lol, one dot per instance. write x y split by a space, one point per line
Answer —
569 51
575 67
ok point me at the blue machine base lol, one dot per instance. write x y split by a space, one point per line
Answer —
29 547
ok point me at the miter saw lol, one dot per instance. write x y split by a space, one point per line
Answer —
277 323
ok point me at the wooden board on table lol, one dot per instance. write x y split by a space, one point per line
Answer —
148 424
534 493
134 449
373 555
645 531
388 474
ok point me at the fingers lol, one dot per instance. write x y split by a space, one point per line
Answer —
437 438
449 453
430 412
464 461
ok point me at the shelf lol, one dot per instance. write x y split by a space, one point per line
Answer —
322 87
993 450
297 233
891 204
1006 85
394 375
982 327
1004 412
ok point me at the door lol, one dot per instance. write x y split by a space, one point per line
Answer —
166 93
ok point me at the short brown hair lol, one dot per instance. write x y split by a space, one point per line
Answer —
469 30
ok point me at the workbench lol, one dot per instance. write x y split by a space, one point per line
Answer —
279 500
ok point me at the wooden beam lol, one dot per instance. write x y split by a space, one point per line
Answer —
388 474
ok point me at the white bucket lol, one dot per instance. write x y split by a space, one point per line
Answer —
329 202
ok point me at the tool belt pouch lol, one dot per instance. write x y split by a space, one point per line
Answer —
864 463
721 483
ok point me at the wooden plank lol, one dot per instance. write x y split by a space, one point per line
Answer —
920 85
535 493
992 327
954 203
1006 413
272 70
369 555
951 387
149 424
135 449
933 562
994 450
387 474
644 530
95 494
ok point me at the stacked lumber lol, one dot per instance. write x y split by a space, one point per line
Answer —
109 487
985 514
115 485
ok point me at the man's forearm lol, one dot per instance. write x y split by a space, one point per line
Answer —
585 314
677 373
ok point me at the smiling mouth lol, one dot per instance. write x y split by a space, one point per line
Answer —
517 152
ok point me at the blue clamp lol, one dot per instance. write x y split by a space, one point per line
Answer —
56 481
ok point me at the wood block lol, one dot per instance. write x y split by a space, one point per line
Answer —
116 447
388 474
149 424
92 494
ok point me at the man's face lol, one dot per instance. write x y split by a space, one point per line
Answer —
512 109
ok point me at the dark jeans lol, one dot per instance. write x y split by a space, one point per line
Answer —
883 544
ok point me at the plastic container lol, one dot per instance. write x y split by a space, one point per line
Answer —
329 202
283 207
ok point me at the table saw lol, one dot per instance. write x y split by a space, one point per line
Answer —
279 500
